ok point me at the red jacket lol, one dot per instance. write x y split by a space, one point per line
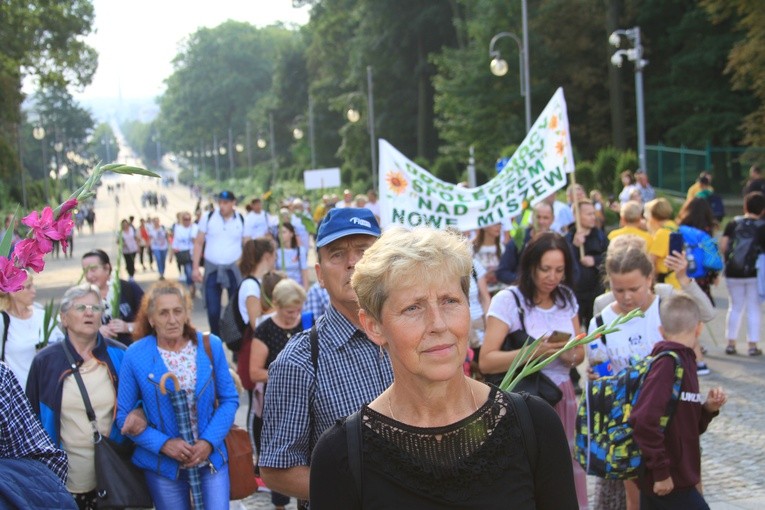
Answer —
676 451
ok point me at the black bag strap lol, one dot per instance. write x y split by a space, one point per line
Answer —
6 325
521 313
81 384
313 336
599 323
521 408
353 434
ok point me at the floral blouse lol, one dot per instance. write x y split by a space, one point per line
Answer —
183 365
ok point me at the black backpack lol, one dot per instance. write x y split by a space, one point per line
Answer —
743 248
232 324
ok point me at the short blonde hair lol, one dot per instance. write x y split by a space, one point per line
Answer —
679 314
659 208
288 292
631 211
419 255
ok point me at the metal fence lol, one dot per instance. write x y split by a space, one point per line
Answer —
676 168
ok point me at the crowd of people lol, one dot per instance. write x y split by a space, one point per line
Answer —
375 384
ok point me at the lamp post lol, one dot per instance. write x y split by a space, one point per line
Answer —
273 147
58 147
634 55
230 152
353 115
499 66
39 134
248 144
215 156
310 132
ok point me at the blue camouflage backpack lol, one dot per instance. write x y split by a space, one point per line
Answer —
604 445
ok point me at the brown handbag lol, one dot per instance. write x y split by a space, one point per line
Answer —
241 468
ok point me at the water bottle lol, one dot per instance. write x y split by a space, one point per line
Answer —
599 359
691 261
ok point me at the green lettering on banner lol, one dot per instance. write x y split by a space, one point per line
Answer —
398 216
423 203
486 220
459 210
538 188
416 219
553 176
536 169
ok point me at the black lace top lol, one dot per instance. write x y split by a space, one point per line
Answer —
477 462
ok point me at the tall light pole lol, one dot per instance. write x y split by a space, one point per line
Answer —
634 55
273 148
371 121
39 134
499 67
58 147
249 146
215 156
310 132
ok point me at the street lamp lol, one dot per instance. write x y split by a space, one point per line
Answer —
635 55
297 133
499 66
261 142
39 134
352 115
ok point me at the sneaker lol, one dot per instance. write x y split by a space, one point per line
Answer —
261 485
702 369
754 351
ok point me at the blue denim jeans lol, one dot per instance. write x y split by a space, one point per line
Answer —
161 257
213 294
187 272
170 494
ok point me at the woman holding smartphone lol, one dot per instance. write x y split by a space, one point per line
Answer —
541 303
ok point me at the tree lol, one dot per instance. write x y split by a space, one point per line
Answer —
746 60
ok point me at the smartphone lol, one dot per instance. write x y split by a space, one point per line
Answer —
558 337
676 242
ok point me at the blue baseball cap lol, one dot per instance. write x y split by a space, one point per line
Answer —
226 195
346 221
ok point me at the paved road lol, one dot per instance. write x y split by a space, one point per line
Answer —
733 462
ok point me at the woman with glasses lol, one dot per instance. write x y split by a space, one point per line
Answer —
116 324
55 395
21 329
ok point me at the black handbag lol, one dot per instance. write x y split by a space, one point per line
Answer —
183 257
119 483
538 383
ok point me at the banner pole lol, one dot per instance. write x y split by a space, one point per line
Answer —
576 212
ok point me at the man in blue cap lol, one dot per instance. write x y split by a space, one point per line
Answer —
328 372
219 241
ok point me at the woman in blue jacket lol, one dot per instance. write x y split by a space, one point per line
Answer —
169 343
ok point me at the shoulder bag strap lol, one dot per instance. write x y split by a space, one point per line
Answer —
314 339
6 325
208 350
521 409
353 434
81 384
521 313
599 323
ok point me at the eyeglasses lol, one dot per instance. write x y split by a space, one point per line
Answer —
93 308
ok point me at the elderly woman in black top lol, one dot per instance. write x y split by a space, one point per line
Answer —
436 438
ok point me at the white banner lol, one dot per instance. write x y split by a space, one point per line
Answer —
410 196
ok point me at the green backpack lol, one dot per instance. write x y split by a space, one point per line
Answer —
604 445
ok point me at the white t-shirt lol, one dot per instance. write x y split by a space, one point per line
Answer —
635 338
539 322
183 237
476 310
375 208
488 258
158 237
294 261
624 196
255 224
129 241
564 217
223 238
23 337
248 288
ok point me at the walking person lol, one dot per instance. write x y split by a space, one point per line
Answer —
184 234
291 257
56 397
435 438
159 245
540 304
742 241
170 344
144 244
306 394
130 243
219 245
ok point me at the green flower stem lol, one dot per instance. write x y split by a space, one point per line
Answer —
525 356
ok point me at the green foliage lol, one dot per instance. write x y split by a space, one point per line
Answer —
448 169
604 168
585 175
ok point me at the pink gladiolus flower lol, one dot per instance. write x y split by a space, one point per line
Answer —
64 226
67 206
43 229
28 254
11 277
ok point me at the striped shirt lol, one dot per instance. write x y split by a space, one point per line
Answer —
352 371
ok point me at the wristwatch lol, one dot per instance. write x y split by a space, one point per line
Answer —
130 329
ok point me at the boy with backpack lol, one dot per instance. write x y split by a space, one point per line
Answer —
670 447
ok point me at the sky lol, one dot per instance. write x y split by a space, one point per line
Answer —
137 39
